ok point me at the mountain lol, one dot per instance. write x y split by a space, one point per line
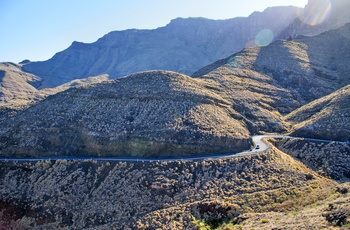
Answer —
265 83
149 114
184 46
326 118
16 86
160 113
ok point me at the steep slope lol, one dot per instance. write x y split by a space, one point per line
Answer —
330 159
150 114
284 75
326 118
184 45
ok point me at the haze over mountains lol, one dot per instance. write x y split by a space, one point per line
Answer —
319 16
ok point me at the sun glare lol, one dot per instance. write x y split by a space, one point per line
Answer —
264 37
316 12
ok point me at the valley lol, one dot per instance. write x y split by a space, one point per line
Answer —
194 125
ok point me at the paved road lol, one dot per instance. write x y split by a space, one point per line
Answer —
258 141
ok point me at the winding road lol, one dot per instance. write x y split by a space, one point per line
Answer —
257 140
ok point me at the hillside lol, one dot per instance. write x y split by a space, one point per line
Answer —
284 75
330 159
326 118
184 45
16 86
149 114
164 195
299 86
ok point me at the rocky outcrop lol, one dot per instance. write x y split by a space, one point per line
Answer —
150 114
184 46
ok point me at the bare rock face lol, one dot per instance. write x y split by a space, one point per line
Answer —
150 114
184 46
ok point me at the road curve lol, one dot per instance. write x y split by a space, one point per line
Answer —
257 140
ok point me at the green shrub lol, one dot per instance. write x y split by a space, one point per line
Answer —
265 221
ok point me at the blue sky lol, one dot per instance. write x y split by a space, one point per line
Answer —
37 29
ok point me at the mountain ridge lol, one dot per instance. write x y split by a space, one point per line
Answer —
189 45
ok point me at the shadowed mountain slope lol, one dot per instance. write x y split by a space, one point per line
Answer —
184 45
326 118
285 75
150 114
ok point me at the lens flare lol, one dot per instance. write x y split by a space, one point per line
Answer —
264 37
316 12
